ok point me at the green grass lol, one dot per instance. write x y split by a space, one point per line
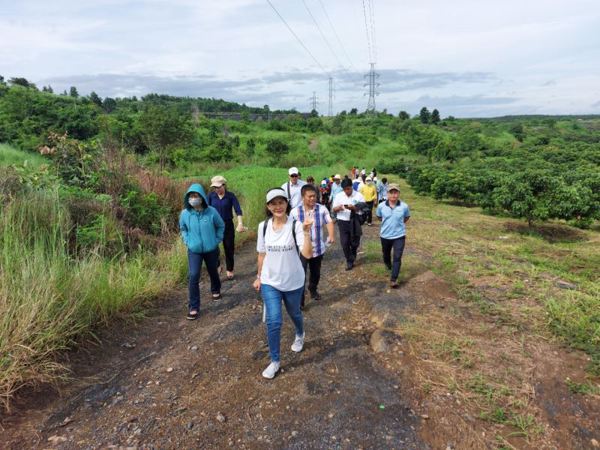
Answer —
468 245
48 299
586 388
12 156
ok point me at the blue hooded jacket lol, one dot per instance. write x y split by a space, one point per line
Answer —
201 231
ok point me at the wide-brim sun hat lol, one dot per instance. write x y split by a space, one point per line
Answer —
274 193
217 181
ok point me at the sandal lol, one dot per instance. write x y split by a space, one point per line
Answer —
192 315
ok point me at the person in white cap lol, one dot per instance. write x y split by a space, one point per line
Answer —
224 202
280 274
293 186
336 187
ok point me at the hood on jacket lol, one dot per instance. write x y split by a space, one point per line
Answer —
194 188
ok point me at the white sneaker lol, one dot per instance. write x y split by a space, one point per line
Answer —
271 370
298 344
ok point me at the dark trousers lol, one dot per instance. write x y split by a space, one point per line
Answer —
386 247
229 244
349 241
369 212
195 264
314 265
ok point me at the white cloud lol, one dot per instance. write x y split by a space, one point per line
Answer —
521 46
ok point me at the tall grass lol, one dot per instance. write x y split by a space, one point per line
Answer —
10 155
48 299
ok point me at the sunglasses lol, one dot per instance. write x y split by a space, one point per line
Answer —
294 176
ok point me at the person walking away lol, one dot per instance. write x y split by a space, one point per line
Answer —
280 276
321 218
293 186
382 190
394 214
369 192
202 230
347 205
224 202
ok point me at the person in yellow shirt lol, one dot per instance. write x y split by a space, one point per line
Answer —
369 192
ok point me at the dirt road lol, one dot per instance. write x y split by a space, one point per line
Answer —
166 382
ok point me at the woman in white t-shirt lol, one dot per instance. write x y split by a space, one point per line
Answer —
280 273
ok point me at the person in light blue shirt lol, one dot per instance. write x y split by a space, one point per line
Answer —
394 214
382 190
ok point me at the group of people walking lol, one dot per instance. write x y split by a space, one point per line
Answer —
290 241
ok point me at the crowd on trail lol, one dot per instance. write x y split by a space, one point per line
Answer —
291 240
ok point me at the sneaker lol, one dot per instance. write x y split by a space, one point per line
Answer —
349 266
394 285
271 370
315 296
192 315
216 296
298 344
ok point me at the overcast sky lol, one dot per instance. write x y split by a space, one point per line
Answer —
467 58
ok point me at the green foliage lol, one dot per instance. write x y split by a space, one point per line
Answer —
144 211
163 129
424 115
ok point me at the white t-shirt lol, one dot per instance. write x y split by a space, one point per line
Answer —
316 236
295 195
281 268
343 199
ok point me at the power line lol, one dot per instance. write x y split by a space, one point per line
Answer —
336 35
321 32
373 39
297 38
367 30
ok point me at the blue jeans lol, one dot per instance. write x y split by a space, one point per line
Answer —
272 299
195 263
398 245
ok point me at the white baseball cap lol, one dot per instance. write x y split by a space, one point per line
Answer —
274 193
293 171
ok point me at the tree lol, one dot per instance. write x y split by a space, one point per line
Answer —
164 128
19 81
109 104
424 115
2 82
73 92
529 194
435 117
95 99
353 111
518 132
403 115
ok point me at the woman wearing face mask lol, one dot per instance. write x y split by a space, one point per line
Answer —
280 274
202 230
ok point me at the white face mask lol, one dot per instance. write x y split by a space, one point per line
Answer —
194 202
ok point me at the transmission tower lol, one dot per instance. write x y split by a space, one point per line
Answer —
313 102
330 109
372 76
